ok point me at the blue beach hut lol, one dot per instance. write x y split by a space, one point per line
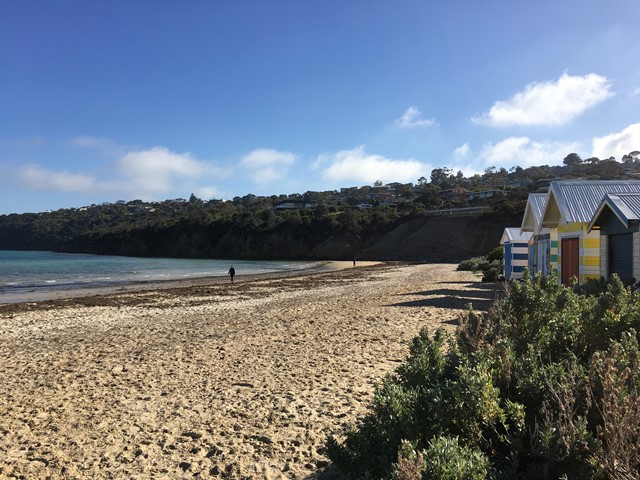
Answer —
516 252
540 243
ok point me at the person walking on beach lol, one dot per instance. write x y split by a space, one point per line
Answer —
232 272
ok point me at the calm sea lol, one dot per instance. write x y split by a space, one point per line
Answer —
27 275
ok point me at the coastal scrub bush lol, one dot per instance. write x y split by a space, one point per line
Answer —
443 459
546 384
491 265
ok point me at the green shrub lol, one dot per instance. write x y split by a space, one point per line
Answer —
471 264
544 385
443 459
491 265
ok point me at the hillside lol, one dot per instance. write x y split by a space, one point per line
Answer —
420 238
379 222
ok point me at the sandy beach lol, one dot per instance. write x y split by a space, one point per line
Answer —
242 380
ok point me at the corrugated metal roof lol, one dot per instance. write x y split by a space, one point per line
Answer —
629 204
625 206
513 234
538 202
578 200
533 212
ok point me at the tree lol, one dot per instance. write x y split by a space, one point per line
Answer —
377 183
572 159
441 175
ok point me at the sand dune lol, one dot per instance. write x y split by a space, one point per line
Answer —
237 381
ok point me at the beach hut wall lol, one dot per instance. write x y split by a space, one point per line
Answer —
516 252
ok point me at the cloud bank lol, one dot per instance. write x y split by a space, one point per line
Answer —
265 165
139 174
357 165
548 103
35 177
524 152
155 171
617 144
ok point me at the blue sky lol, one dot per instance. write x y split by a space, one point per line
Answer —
121 100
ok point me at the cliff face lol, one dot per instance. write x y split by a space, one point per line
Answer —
440 238
418 239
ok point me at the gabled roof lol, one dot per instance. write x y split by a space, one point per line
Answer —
625 206
533 212
576 201
515 235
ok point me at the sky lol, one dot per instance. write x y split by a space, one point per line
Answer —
158 99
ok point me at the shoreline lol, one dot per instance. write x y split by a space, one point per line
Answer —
36 296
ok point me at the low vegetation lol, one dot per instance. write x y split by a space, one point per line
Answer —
546 385
491 265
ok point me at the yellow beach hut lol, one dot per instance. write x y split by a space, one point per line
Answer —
571 205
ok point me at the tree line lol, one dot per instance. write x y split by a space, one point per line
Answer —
106 228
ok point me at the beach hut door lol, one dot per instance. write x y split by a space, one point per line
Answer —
621 255
570 259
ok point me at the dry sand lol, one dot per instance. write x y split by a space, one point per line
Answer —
237 381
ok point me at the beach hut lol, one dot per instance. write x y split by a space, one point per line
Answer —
618 220
570 207
516 255
540 243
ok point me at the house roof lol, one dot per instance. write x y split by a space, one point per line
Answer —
625 206
576 201
515 235
533 212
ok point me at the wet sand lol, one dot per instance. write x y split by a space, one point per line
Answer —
242 380
40 295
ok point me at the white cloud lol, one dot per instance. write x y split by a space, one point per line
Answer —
38 178
412 117
462 151
266 165
155 171
548 103
142 174
617 144
359 166
524 152
207 192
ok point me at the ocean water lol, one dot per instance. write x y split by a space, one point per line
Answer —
36 274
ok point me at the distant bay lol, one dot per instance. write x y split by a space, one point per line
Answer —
38 274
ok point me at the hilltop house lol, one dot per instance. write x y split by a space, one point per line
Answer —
515 245
571 205
483 195
293 205
540 244
618 220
